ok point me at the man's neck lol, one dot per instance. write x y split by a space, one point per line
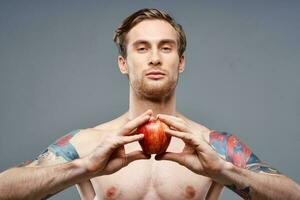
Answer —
138 105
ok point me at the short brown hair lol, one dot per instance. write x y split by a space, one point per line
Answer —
139 16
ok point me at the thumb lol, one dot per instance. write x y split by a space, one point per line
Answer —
136 155
176 157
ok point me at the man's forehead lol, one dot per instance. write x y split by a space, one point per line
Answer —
152 31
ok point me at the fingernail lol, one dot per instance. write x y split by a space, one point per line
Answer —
140 135
157 157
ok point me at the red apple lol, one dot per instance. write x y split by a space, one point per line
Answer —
155 139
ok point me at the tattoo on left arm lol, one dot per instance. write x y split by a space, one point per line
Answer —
236 152
229 147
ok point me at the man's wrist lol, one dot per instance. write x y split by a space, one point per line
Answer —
83 165
232 175
223 174
80 165
227 169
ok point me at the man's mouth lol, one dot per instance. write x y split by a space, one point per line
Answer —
155 74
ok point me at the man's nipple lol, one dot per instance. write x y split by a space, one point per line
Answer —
190 192
111 192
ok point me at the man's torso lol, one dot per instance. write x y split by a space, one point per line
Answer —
144 179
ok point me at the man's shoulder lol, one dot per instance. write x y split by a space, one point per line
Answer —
99 129
196 124
87 139
112 124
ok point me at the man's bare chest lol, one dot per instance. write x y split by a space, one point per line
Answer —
151 179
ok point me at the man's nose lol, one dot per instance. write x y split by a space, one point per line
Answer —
155 58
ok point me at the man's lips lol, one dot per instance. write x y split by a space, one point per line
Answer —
155 72
155 76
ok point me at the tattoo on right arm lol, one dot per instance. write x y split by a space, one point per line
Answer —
60 151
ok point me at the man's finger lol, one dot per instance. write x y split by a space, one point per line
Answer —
128 139
175 122
176 157
121 141
136 155
186 137
133 124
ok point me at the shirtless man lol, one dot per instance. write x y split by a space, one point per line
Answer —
106 161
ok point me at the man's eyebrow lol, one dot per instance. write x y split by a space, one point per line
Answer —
138 42
167 41
161 42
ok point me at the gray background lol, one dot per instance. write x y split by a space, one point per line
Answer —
58 72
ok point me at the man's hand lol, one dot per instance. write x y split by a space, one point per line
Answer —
197 155
110 155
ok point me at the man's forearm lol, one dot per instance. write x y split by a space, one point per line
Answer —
253 185
40 182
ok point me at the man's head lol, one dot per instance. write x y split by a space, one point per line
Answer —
150 41
147 14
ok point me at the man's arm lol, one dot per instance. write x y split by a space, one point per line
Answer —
246 174
39 182
52 171
252 185
215 191
86 190
34 180
225 159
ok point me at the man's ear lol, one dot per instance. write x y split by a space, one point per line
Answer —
122 64
181 64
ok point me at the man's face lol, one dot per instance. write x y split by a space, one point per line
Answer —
152 48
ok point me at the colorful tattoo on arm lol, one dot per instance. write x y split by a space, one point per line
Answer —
229 147
236 152
60 151
62 147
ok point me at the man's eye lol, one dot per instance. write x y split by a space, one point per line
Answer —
166 49
142 49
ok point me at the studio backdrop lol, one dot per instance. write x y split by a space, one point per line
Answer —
58 72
